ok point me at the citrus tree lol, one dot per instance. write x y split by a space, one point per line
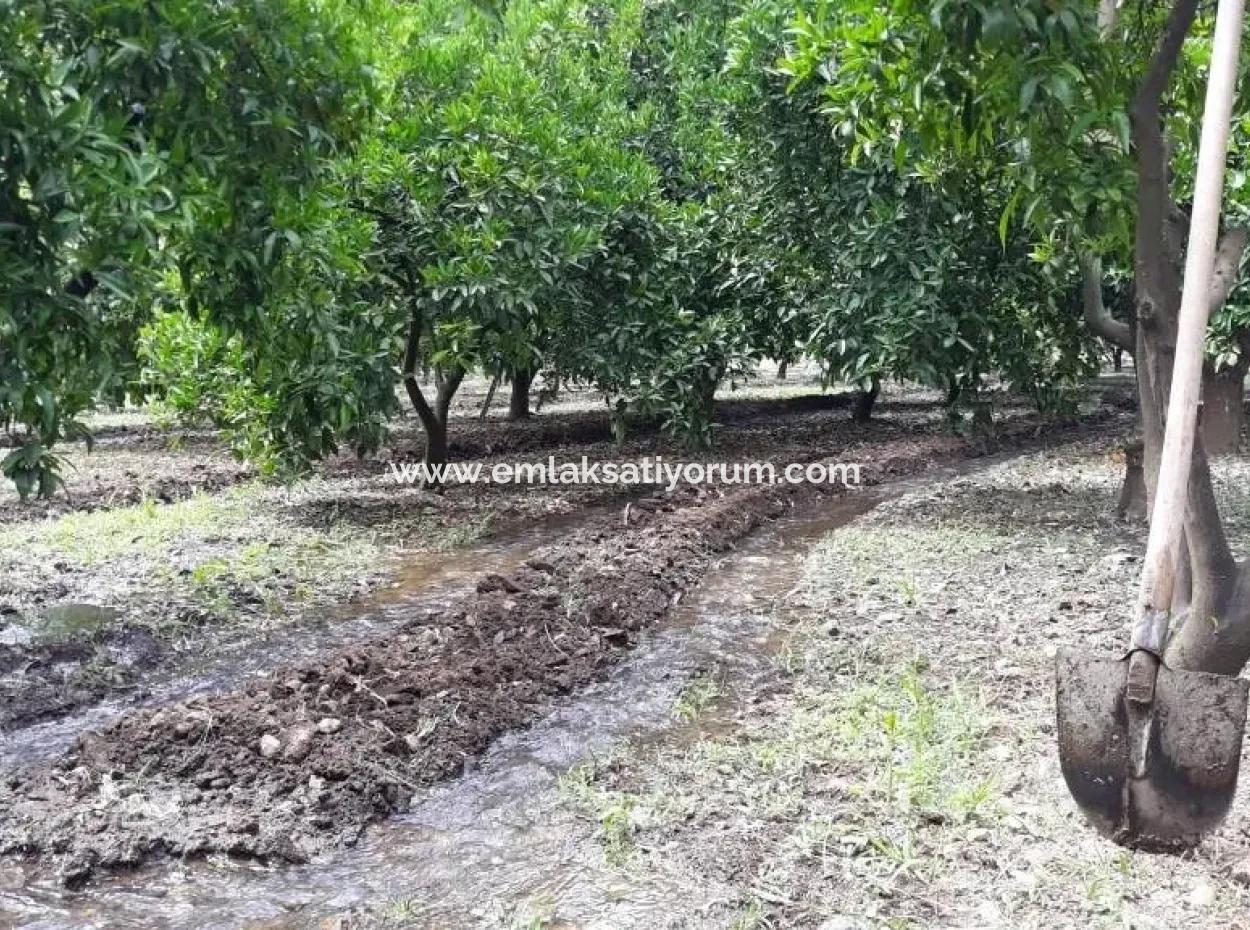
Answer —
170 155
503 179
1085 115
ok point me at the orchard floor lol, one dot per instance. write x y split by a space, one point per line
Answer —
897 766
281 735
165 550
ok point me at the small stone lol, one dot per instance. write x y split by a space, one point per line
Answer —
1202 895
270 746
329 725
299 744
890 616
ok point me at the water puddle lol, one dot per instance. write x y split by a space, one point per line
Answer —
499 846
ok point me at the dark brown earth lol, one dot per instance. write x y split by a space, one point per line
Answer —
304 759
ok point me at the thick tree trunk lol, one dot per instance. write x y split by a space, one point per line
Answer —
861 412
435 442
519 401
1212 633
982 414
706 394
782 367
1223 409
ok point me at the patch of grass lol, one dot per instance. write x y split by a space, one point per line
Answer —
230 556
443 537
923 743
614 811
905 754
696 697
751 918
908 590
616 831
402 910
146 528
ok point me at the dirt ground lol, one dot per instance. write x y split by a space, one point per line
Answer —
164 545
901 769
303 759
165 549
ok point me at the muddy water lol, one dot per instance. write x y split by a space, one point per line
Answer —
500 844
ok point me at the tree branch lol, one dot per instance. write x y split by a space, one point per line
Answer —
447 387
361 207
1159 72
1153 266
1097 317
411 384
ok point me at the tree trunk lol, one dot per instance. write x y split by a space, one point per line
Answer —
519 401
1223 409
435 443
861 412
983 414
782 366
707 393
433 418
1117 359
1132 505
1213 634
490 397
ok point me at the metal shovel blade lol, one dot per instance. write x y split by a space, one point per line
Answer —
1179 783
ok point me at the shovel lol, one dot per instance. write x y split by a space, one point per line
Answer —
1151 753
